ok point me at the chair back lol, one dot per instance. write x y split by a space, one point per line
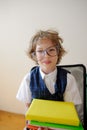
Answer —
79 72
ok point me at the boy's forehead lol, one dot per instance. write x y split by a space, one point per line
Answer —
43 44
44 40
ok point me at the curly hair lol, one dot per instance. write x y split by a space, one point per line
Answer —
48 34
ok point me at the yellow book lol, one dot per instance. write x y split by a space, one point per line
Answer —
53 112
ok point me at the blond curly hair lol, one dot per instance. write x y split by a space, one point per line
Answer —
48 34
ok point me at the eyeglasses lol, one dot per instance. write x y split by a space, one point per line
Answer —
51 51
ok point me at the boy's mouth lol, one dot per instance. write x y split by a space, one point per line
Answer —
47 62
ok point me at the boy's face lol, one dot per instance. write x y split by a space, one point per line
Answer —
43 49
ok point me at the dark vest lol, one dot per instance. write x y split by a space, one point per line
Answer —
38 87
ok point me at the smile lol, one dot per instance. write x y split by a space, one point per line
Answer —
47 62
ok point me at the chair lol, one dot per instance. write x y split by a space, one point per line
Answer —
79 72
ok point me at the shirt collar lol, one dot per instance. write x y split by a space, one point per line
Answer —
52 74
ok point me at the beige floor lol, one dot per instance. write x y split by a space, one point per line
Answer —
11 121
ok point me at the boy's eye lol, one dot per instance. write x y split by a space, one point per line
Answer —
52 49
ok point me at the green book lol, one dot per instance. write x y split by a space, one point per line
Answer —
56 126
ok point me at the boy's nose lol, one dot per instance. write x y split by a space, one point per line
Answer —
46 53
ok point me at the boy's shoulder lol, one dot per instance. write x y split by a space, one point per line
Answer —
61 69
34 69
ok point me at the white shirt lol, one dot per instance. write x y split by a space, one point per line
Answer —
71 93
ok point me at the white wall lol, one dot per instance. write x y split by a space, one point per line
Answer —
19 20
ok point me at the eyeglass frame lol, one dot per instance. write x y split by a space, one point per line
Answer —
46 52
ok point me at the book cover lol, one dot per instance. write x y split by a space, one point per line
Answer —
53 112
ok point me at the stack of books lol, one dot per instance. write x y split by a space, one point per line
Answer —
53 115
